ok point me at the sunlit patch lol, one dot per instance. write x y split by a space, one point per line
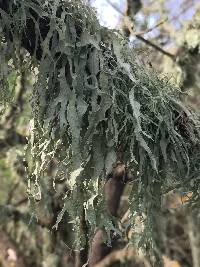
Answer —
107 14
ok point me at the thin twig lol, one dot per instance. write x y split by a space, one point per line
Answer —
150 29
183 10
128 24
115 7
129 21
158 48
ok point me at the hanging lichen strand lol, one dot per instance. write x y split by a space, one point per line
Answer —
93 104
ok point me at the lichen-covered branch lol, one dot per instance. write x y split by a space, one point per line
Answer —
93 104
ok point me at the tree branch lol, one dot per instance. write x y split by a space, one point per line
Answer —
155 46
113 191
129 254
128 25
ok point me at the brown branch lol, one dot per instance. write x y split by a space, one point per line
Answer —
128 19
128 25
20 202
155 46
129 254
150 29
11 193
113 191
81 256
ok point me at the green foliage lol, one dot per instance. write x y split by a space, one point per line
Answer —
95 103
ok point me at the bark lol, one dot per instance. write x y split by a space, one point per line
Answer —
113 190
82 255
129 254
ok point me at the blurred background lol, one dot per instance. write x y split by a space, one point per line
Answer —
164 34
